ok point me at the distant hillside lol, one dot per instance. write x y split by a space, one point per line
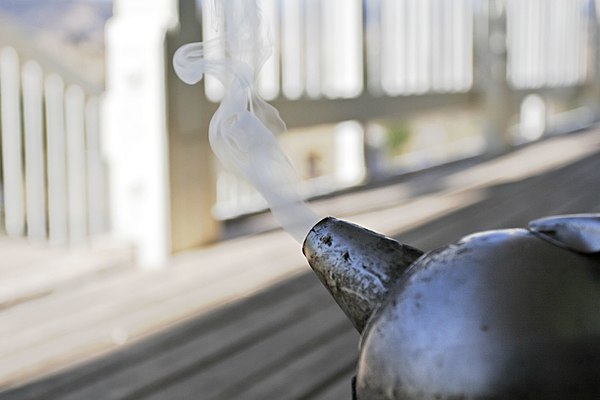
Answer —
72 30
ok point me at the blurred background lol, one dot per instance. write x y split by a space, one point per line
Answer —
107 177
102 137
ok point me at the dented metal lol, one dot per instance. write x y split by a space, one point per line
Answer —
505 314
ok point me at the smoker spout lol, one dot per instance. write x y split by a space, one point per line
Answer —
356 265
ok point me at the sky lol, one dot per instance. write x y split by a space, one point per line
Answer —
71 30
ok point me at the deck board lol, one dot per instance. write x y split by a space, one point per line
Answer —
250 369
36 270
212 335
566 190
338 388
280 335
242 341
305 372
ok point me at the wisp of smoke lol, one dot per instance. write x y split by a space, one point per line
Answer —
243 130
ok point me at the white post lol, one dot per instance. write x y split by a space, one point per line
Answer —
35 170
57 178
12 160
497 101
76 163
349 155
162 184
96 190
136 126
192 183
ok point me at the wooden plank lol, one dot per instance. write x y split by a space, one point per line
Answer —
18 253
258 361
35 171
487 214
188 273
468 231
205 363
550 193
57 178
104 329
12 161
306 372
553 188
306 112
56 270
227 325
61 303
340 388
511 205
466 187
76 163
327 371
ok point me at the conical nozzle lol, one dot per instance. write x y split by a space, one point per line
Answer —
356 265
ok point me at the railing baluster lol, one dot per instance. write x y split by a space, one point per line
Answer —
34 150
394 46
211 26
447 45
313 31
12 149
76 163
553 29
571 28
269 79
96 190
412 50
57 185
460 45
343 48
373 47
578 30
423 83
437 33
292 52
467 78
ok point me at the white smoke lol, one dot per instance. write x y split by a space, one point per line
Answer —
243 130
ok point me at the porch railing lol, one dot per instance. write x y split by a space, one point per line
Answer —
334 61
53 173
340 60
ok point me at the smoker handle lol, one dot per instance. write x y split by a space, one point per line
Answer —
354 388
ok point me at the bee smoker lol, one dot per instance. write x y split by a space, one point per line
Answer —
503 314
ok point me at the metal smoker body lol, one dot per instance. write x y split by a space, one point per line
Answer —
506 314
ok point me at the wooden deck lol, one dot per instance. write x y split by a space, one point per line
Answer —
245 319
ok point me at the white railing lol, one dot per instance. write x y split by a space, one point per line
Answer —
335 59
547 42
339 48
330 50
53 174
353 62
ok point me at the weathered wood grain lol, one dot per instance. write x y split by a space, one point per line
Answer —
287 341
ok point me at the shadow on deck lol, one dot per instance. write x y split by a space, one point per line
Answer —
289 340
